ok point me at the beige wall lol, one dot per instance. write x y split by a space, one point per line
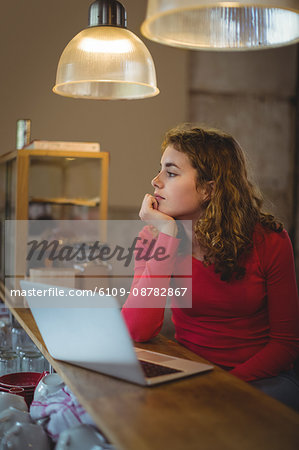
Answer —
253 96
33 35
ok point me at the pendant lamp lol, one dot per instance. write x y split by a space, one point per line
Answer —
222 25
106 61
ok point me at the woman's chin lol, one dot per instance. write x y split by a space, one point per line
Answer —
162 210
166 211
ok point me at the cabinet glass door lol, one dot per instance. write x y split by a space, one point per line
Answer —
64 187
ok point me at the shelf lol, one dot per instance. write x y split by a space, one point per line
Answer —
67 201
59 180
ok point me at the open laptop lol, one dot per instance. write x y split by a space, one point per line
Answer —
96 337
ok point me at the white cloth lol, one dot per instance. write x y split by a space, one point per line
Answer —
62 410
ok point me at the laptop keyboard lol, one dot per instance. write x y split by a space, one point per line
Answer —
155 370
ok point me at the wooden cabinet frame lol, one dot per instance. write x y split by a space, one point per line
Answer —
21 194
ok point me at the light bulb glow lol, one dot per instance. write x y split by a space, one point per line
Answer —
115 46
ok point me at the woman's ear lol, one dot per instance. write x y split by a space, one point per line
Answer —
209 190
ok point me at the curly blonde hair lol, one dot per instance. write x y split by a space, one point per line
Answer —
225 230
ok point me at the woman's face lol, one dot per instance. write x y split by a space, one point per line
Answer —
175 187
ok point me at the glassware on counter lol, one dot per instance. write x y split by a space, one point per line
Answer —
5 335
20 339
32 361
9 362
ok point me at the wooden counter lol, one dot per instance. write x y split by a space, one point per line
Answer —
211 411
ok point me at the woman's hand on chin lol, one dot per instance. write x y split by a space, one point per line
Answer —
149 213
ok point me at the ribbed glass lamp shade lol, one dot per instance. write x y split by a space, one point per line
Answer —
220 25
107 63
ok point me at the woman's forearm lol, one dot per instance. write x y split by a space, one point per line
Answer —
143 310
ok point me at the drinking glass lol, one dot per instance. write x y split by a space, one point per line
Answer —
9 362
28 348
5 335
32 361
20 339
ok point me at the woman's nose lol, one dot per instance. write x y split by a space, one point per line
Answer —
156 182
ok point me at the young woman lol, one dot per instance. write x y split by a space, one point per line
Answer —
245 312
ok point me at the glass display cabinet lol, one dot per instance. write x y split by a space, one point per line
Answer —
48 184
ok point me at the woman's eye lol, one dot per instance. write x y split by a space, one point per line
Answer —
171 174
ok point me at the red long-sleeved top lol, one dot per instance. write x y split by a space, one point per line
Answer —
248 326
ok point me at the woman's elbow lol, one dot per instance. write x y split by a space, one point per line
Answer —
141 334
140 331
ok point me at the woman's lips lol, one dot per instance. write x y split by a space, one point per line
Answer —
159 198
